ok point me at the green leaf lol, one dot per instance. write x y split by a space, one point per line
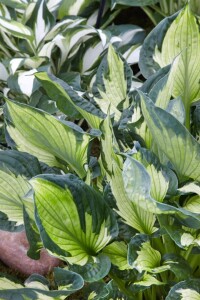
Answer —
95 291
50 140
173 139
12 191
17 4
15 168
74 215
146 282
33 235
134 215
114 292
188 289
193 204
117 252
133 2
16 28
20 163
137 184
73 7
159 183
95 269
178 265
176 35
141 255
183 37
112 84
149 160
68 100
176 109
147 63
37 287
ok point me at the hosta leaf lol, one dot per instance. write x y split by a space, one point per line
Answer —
36 286
137 184
149 160
53 5
141 255
114 292
33 63
47 138
191 187
12 191
15 167
134 215
159 183
95 291
23 82
16 28
19 4
95 269
173 139
147 281
112 84
176 35
147 63
188 289
183 37
20 163
3 72
68 100
176 109
60 26
71 7
117 252
69 43
133 2
74 216
193 204
41 20
178 265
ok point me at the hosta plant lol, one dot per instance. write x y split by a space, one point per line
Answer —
109 182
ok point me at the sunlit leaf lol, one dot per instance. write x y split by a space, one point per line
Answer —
50 140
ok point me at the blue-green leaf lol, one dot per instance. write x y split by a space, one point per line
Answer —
173 139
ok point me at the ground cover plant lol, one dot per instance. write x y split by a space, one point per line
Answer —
100 154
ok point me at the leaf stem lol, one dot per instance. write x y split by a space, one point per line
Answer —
158 10
188 252
167 241
150 15
111 18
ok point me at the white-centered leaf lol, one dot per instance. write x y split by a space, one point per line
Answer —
16 28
